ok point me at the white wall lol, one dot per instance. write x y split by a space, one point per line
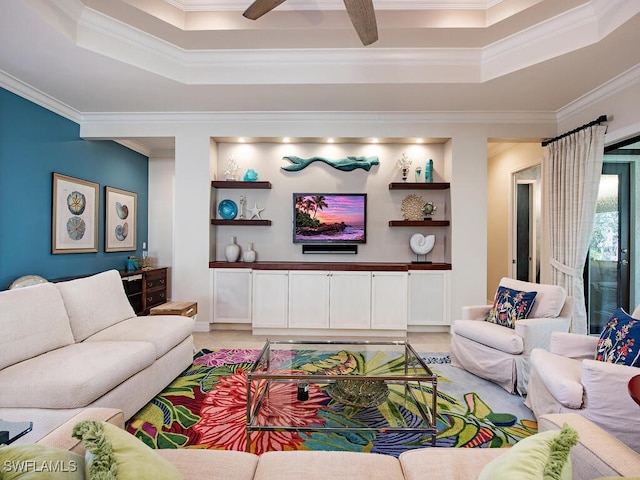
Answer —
384 244
467 171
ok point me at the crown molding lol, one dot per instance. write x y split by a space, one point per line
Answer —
14 85
569 31
612 87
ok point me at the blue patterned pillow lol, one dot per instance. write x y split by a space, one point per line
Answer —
620 340
511 305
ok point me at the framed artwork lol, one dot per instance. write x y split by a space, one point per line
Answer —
121 217
74 219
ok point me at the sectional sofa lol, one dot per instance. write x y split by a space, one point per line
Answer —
77 344
596 455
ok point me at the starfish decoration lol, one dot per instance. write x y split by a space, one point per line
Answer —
255 212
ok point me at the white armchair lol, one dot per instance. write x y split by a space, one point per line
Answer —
501 354
569 379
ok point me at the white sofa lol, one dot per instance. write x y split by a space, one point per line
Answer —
76 344
569 379
596 455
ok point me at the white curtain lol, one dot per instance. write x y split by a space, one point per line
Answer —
571 177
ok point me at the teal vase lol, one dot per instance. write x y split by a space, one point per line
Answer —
428 172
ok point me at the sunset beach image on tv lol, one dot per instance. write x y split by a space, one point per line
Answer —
330 217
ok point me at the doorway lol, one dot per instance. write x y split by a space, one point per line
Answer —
526 241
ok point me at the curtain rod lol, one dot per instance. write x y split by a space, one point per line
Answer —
599 120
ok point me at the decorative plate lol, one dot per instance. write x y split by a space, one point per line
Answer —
359 393
228 209
412 207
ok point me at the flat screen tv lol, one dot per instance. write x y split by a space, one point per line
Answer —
329 217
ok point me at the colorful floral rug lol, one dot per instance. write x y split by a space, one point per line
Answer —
206 407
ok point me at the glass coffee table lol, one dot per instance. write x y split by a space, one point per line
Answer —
11 431
338 386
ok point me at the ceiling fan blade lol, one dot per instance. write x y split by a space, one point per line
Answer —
260 7
363 17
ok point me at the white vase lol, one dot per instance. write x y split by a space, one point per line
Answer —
249 255
232 251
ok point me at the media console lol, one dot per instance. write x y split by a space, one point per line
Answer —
330 298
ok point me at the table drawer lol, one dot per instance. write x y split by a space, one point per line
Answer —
154 298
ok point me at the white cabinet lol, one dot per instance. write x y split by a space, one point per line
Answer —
232 295
428 298
389 300
270 298
309 299
330 299
350 300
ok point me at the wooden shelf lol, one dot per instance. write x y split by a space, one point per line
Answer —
419 186
240 223
419 223
243 185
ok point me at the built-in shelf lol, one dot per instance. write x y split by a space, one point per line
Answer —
239 223
418 223
237 184
419 186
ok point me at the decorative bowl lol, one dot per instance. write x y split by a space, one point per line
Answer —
359 393
228 209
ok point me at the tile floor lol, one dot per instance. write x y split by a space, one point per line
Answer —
422 342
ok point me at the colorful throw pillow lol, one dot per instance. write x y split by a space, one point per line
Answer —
541 456
620 340
510 305
114 454
39 462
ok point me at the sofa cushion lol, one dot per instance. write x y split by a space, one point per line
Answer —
544 455
447 463
200 464
73 376
620 340
33 320
510 305
491 335
113 453
561 376
326 465
163 331
39 462
549 299
95 303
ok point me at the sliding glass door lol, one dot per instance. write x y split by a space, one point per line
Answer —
607 274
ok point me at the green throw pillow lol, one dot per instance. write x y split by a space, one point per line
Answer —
114 454
38 462
542 456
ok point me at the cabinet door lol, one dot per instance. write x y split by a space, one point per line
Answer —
428 298
350 300
270 298
309 299
389 300
231 295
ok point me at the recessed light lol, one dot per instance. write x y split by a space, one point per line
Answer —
330 140
241 140
374 140
286 139
419 140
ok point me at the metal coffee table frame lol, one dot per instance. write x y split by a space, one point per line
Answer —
261 372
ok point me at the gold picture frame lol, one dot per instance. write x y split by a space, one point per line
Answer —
74 219
121 220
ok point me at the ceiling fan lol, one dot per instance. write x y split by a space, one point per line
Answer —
360 12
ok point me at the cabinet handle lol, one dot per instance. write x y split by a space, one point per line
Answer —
161 294
149 299
149 284
162 281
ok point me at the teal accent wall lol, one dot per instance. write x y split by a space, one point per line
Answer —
34 143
